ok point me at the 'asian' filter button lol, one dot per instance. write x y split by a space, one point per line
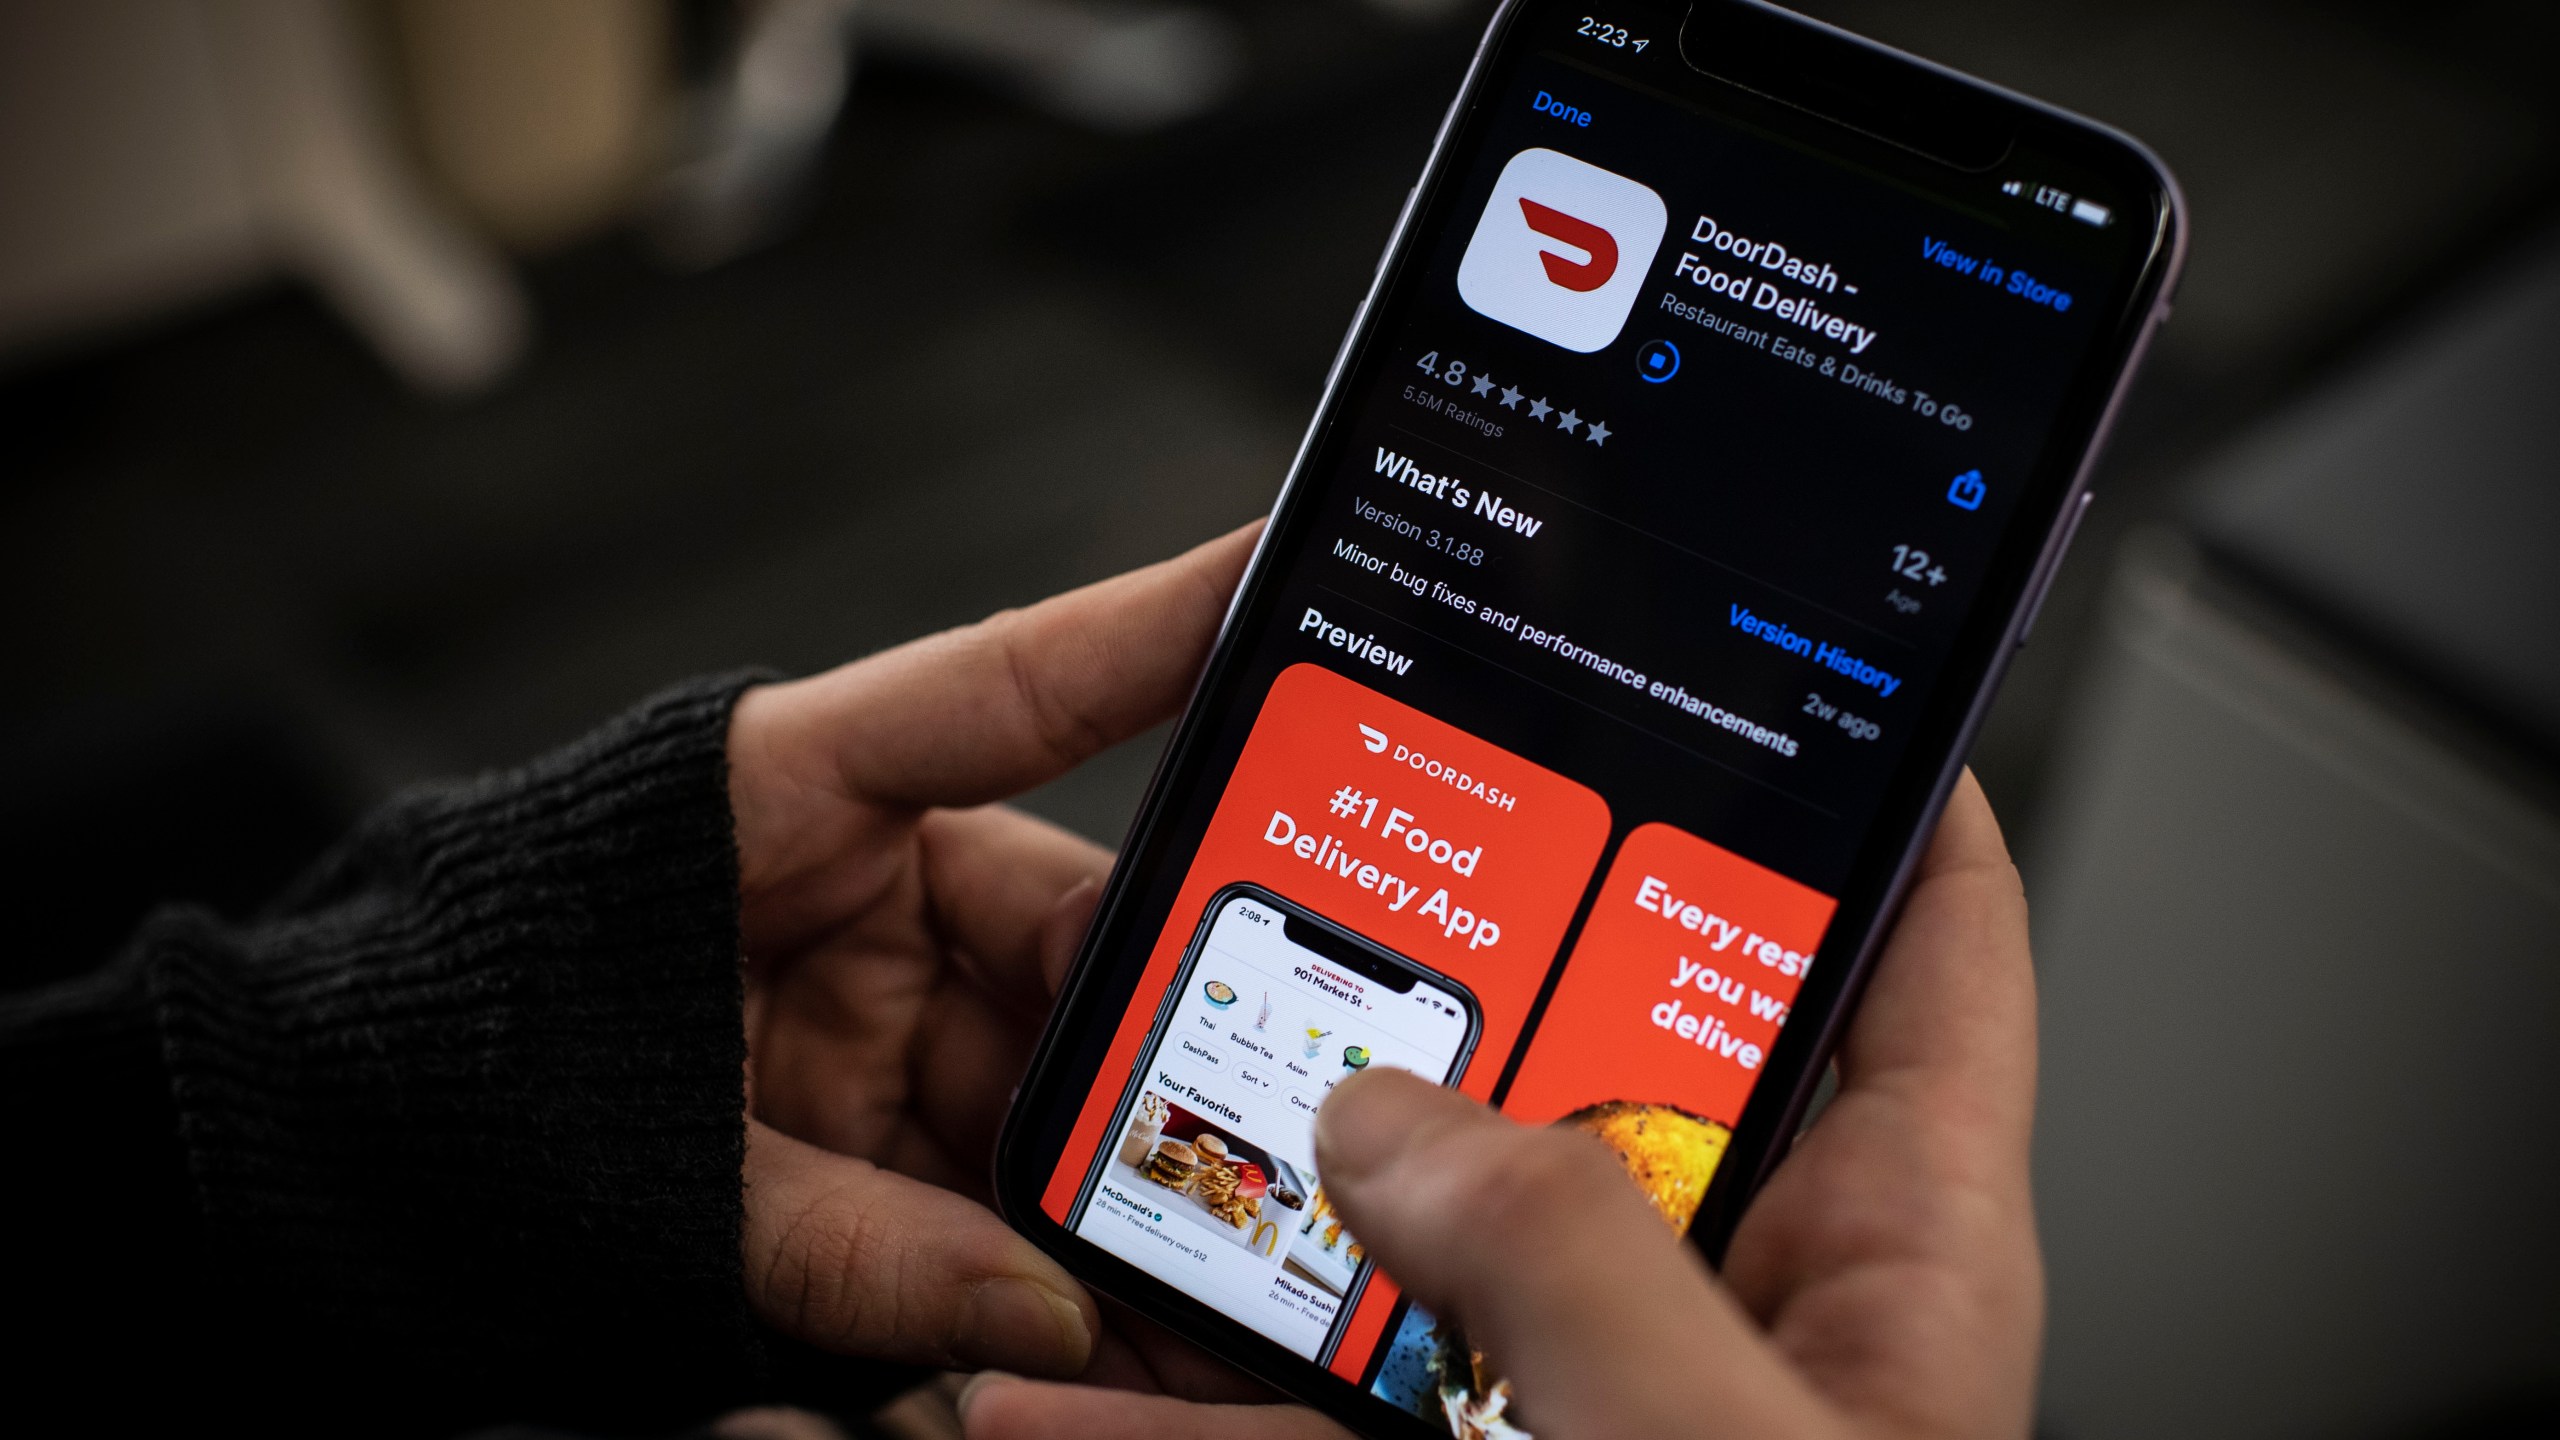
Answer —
1199 1054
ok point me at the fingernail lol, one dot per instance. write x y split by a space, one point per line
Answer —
968 1395
1019 1323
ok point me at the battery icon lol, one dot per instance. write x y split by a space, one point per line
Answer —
2091 212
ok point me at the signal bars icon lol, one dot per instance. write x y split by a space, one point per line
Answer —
2014 187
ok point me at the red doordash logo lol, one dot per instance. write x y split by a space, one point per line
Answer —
1562 249
1582 235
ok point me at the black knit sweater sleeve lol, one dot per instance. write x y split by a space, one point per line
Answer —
452 1135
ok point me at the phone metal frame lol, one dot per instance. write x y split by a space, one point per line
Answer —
1776 1110
1156 1029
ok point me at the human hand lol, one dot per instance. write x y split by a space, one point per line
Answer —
1886 1282
902 949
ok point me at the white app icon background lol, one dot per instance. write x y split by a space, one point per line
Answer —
1503 278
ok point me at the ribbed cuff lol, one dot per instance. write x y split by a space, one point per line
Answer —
466 1113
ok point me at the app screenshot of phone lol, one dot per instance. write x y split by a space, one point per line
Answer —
1211 1182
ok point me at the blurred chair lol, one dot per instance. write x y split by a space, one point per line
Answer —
2298 917
763 113
153 152
543 121
758 121
1112 66
1122 68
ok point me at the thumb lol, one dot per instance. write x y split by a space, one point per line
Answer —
1533 1240
863 1261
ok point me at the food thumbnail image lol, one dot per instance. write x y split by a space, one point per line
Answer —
1235 1188
1173 1165
1146 1122
1322 1253
1670 1154
1430 1368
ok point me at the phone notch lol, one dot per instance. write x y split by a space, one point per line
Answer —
1340 948
1850 81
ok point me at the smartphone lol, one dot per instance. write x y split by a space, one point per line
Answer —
1720 411
1210 1182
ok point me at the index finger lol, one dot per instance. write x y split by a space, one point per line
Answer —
992 709
1949 1020
1894 1253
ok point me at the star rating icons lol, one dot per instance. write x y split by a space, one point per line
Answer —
1466 379
1597 433
1569 422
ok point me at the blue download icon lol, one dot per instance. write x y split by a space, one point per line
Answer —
1967 490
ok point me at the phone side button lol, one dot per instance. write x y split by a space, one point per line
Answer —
1404 216
2044 585
1350 337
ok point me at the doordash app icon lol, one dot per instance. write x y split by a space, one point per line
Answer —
1562 250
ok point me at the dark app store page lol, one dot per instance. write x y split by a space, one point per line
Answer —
1639 540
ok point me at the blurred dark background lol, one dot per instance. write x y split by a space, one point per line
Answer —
394 389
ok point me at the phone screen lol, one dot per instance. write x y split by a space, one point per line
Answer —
1211 1183
1682 491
